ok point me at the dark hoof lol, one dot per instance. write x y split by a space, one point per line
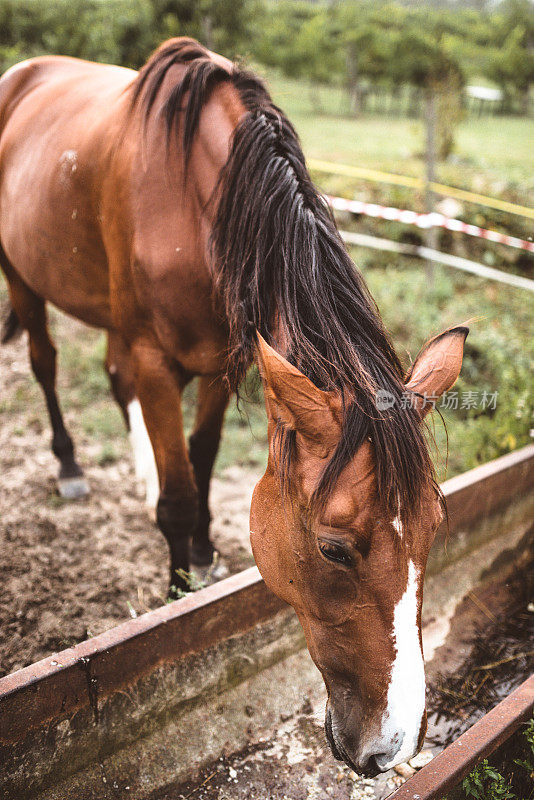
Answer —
202 555
176 593
73 488
210 573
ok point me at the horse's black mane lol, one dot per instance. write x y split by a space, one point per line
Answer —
278 260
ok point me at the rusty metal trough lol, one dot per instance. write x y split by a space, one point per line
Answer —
154 699
448 768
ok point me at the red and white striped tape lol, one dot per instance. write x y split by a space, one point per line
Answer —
426 221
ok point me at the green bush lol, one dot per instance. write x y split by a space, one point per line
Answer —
485 783
117 31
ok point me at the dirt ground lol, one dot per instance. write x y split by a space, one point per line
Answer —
71 570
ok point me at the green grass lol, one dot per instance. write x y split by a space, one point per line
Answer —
499 353
492 153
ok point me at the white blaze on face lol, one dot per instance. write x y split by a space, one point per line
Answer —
144 461
406 694
397 524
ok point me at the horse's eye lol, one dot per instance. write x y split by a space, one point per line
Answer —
335 552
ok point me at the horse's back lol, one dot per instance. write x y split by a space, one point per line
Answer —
57 89
58 123
92 216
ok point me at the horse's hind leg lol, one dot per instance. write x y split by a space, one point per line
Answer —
121 377
31 312
212 401
119 369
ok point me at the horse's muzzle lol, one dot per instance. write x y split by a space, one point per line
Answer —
368 770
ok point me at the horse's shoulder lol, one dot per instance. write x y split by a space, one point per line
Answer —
17 76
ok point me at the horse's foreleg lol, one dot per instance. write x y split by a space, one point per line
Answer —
159 384
31 312
212 401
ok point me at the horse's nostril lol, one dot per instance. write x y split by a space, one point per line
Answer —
371 769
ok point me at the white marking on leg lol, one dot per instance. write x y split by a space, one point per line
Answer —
144 461
406 694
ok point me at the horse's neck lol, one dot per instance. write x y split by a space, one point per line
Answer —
212 146
280 341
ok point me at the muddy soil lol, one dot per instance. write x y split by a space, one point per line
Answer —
501 658
71 570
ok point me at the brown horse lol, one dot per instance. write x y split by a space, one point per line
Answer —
174 209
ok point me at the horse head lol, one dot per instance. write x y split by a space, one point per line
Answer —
350 569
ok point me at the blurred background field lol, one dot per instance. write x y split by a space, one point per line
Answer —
493 154
354 78
499 358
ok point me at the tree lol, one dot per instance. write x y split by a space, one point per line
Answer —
513 67
222 25
316 56
367 40
120 31
422 60
368 53
278 30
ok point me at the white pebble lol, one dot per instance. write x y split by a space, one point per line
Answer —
405 770
421 759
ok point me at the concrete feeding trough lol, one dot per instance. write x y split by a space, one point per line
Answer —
155 699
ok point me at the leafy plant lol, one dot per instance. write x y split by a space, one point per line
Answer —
528 762
193 584
485 783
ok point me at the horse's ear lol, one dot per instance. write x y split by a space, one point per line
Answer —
291 398
436 368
